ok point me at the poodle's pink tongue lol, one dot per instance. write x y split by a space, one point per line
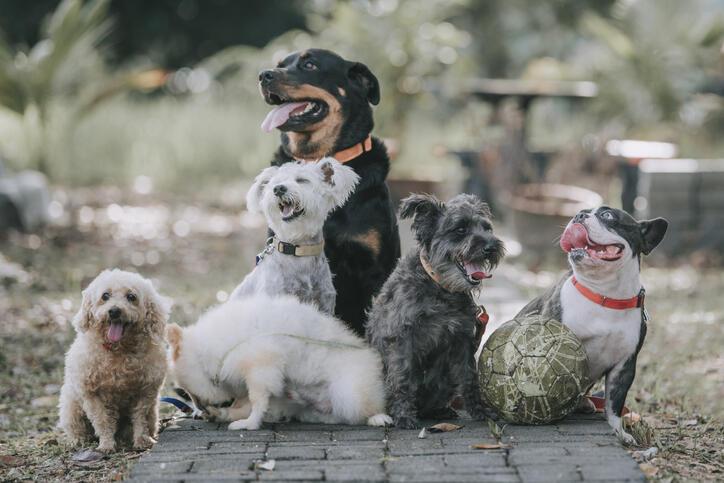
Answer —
280 114
475 271
115 332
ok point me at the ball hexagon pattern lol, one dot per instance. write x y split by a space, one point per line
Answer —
533 370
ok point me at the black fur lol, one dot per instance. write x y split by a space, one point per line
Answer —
362 240
424 332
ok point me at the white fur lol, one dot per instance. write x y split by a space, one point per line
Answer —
277 357
319 195
609 336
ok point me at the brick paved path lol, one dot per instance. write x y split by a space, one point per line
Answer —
580 448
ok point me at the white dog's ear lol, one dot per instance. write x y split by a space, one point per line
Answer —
83 319
253 196
157 309
174 335
341 179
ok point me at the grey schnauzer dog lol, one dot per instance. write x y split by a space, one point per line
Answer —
424 320
295 199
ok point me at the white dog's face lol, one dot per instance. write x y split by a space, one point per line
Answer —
297 197
120 304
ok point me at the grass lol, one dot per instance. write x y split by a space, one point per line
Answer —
196 250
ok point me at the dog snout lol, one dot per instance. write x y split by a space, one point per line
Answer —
266 76
280 190
580 217
114 312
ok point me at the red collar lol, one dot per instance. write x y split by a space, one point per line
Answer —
350 153
617 304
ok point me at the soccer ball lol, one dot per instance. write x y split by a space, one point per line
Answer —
533 370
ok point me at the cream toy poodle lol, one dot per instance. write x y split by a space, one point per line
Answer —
115 367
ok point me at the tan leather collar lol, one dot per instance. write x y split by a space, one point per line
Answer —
348 154
428 268
298 250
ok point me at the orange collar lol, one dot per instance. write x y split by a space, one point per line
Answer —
350 153
617 304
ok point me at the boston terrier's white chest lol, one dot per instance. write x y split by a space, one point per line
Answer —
608 335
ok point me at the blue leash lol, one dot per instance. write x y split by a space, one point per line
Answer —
180 405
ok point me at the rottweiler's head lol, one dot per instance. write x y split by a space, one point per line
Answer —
322 102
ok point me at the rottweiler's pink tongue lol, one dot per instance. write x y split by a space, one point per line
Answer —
115 332
280 114
575 236
475 271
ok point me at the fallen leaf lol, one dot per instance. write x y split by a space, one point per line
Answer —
444 427
86 457
648 469
490 446
422 434
9 460
632 417
267 465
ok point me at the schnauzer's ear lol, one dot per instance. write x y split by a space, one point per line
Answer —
425 210
363 77
157 309
653 232
253 196
342 179
174 334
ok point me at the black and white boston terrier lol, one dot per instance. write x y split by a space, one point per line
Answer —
602 300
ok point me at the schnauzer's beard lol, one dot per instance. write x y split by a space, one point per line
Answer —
305 227
444 257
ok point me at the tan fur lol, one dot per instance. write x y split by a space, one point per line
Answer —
174 336
109 391
371 239
318 140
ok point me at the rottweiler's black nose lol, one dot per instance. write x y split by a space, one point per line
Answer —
280 190
580 217
266 76
114 312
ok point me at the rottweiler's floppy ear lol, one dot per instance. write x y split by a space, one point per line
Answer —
653 232
425 210
253 196
341 179
363 76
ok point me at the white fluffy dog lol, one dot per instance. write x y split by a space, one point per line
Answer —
296 199
277 357
117 363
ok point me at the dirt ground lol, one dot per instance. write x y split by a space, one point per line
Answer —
197 251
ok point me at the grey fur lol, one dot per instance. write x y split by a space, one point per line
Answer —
425 333
307 278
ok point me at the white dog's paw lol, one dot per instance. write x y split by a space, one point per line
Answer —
625 438
244 424
379 420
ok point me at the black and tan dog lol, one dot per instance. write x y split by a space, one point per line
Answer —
322 108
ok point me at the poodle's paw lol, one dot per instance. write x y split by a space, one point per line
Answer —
407 422
106 446
245 424
143 442
625 438
379 420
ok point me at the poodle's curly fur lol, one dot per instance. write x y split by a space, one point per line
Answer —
116 366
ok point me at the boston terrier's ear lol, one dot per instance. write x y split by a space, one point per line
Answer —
653 232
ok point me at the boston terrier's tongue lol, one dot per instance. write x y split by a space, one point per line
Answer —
475 271
280 114
115 332
575 236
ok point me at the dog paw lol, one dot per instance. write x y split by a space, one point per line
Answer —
379 420
625 438
106 447
213 414
407 422
244 424
143 442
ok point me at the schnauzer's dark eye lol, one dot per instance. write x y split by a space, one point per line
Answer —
131 297
302 180
461 230
105 296
309 65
